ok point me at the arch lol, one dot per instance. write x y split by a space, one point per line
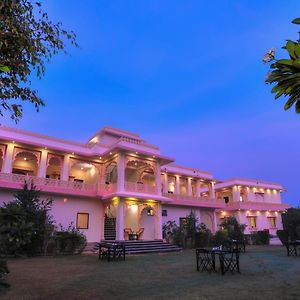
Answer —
139 171
147 222
111 173
25 163
54 165
207 218
2 153
82 171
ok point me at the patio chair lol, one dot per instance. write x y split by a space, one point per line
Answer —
127 232
140 233
230 261
291 248
205 260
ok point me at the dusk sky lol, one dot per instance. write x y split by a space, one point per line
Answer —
186 75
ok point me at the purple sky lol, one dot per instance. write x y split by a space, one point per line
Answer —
186 75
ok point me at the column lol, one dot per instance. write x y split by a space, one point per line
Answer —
158 222
189 186
215 223
236 193
177 185
158 179
211 189
43 164
8 159
120 220
198 184
166 183
65 170
121 172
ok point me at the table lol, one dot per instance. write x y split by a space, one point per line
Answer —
229 259
112 250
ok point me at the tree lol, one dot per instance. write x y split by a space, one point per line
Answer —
25 223
285 73
28 40
291 222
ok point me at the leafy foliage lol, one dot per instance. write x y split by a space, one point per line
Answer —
285 73
233 229
25 224
291 222
3 272
28 40
261 237
69 240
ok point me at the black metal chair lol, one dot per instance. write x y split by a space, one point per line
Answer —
291 248
230 261
205 260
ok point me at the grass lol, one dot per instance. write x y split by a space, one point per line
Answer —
266 273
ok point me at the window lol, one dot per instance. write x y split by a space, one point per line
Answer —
272 222
164 213
252 222
82 221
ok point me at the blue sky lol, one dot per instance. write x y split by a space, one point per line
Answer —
186 75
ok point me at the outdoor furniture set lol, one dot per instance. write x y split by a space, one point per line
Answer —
111 250
228 260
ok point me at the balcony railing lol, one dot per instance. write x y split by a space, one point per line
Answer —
47 182
190 198
136 187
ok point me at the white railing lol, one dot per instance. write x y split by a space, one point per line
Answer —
107 188
55 183
130 140
192 198
140 188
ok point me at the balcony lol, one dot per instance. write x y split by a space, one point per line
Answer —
135 187
251 205
185 200
15 181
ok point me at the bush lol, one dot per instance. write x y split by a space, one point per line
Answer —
220 237
68 241
203 236
3 272
283 235
261 237
25 225
291 220
235 231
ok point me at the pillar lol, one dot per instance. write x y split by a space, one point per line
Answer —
166 183
177 185
198 184
158 222
120 220
65 169
189 187
236 193
215 223
43 164
8 159
211 189
158 179
121 172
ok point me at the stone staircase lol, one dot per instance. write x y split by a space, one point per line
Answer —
140 247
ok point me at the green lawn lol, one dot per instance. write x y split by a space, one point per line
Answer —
266 273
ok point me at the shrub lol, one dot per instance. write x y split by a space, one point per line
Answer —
261 237
25 225
203 236
234 230
3 272
221 236
291 220
69 240
283 235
